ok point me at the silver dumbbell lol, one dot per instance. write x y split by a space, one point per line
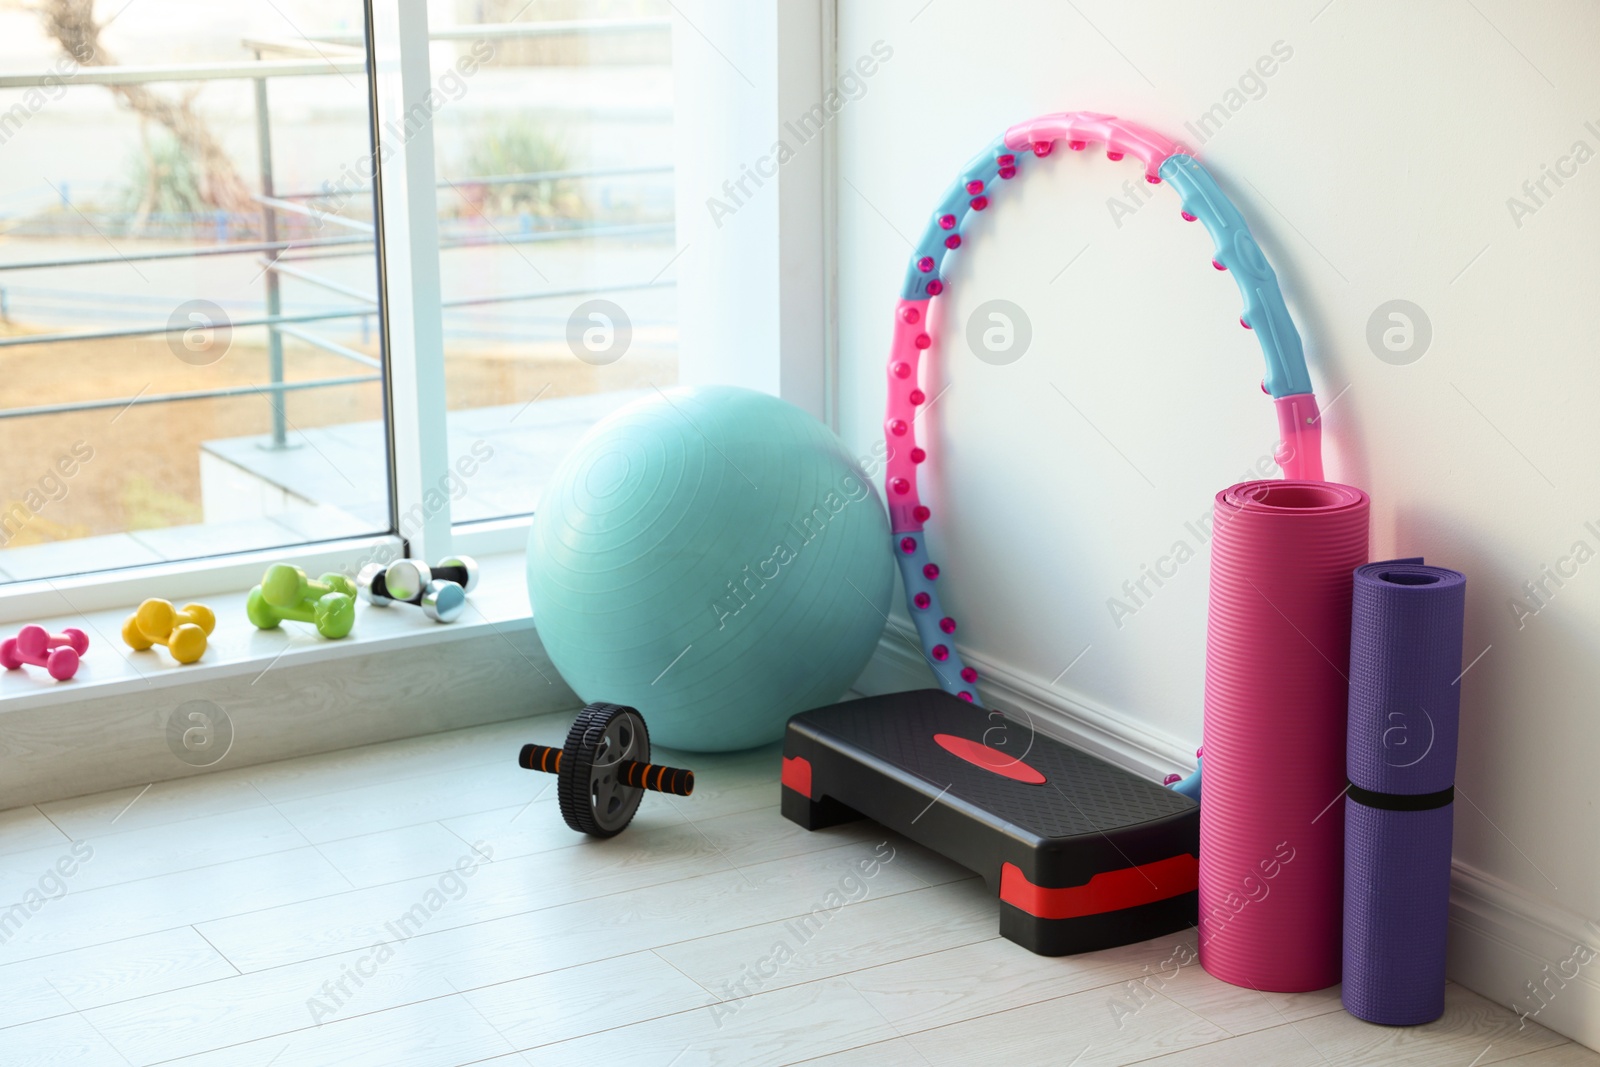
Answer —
440 600
407 578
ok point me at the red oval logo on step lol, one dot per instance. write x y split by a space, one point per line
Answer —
990 759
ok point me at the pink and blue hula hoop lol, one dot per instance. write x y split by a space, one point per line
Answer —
1299 450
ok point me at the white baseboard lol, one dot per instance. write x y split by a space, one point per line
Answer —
1505 940
1502 937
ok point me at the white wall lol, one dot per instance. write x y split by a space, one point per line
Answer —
1376 165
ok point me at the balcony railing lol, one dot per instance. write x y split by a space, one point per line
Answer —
295 257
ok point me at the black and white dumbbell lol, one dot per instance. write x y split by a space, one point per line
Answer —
440 591
407 578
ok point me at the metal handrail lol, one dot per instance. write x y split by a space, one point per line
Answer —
186 253
278 203
141 399
152 331
311 278
585 27
332 347
279 322
559 175
634 229
284 68
517 298
181 72
516 179
535 237
504 30
302 47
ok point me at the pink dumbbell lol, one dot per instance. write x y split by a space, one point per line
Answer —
56 653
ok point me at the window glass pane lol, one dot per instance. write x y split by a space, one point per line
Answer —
160 400
554 153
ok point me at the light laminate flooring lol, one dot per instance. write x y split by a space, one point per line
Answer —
420 903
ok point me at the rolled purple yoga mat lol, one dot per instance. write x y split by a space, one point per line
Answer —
1405 665
1397 887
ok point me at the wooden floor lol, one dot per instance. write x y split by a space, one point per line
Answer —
421 903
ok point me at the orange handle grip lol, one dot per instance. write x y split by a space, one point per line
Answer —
652 776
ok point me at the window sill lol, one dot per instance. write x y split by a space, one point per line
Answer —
498 606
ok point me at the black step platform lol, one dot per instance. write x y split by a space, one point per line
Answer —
1082 854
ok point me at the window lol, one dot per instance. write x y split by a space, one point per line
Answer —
190 332
191 310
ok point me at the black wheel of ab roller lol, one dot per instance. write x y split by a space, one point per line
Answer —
603 770
594 798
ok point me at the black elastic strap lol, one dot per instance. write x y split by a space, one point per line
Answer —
1401 801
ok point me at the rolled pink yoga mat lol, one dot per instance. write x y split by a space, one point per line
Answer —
1276 707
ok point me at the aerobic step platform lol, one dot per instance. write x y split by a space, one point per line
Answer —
1082 854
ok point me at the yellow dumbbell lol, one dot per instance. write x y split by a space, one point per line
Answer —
157 622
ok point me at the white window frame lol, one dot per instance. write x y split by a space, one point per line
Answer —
755 298
408 256
753 295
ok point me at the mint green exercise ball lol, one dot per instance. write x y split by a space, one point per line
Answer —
714 557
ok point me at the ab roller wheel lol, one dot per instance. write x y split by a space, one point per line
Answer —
604 769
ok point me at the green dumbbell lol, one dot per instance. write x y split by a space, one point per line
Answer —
286 594
286 586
